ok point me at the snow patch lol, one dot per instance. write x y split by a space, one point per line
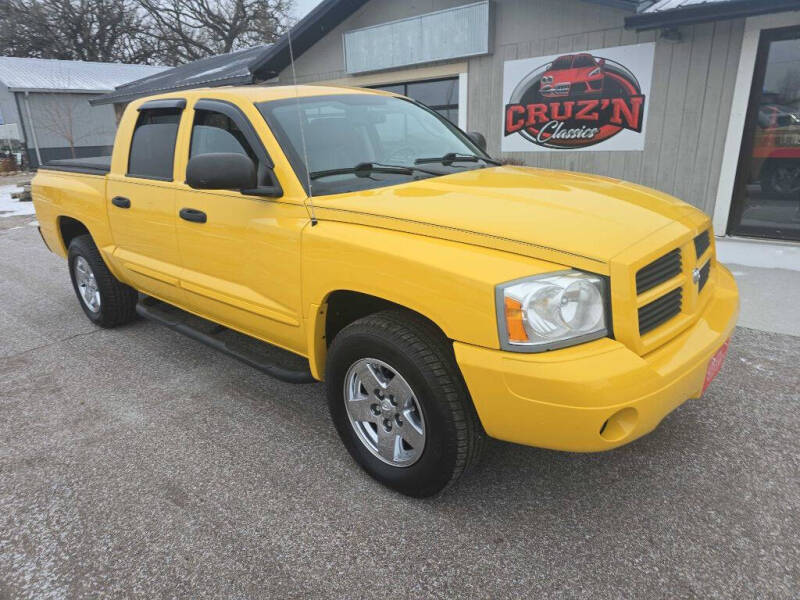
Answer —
760 254
11 207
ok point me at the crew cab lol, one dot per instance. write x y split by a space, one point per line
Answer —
441 296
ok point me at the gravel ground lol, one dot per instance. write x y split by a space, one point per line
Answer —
136 462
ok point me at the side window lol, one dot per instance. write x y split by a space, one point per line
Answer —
214 132
153 143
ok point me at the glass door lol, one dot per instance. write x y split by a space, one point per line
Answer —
767 196
441 95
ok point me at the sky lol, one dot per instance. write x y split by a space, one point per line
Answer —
302 7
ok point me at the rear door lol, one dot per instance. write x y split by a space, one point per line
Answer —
242 260
141 202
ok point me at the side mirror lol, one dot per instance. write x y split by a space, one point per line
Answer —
478 139
221 171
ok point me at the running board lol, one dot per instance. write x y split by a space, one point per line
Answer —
276 362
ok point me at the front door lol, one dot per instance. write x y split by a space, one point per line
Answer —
241 266
141 206
767 197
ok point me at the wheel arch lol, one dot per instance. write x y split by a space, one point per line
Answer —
337 310
68 229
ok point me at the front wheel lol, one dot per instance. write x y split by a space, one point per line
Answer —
106 301
399 403
781 178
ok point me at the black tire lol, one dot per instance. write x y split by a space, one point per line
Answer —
117 300
419 352
774 182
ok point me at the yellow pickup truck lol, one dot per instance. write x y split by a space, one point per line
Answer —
358 238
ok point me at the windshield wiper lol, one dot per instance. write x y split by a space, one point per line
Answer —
366 169
451 157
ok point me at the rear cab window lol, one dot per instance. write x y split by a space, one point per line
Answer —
152 150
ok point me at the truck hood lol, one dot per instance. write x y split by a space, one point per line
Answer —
570 218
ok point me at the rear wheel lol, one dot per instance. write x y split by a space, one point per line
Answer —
399 403
106 301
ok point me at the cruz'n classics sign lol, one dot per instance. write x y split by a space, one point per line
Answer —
595 100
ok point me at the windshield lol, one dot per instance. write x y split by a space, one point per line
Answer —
349 130
582 61
561 63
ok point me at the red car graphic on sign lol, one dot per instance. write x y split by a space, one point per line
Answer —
573 75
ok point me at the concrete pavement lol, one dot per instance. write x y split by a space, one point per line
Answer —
136 462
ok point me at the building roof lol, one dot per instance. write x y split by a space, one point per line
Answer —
623 4
41 74
674 13
318 23
261 63
223 69
662 5
245 66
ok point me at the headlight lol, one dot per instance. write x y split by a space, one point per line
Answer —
551 311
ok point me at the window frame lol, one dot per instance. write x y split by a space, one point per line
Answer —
747 145
177 104
235 114
435 107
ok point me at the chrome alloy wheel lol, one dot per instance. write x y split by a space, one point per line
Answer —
87 284
384 412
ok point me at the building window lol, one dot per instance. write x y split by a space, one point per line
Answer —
767 196
441 95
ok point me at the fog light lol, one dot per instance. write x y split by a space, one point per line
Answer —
619 425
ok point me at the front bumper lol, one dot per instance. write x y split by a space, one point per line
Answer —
599 395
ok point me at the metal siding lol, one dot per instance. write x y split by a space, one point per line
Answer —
419 39
8 109
52 114
690 100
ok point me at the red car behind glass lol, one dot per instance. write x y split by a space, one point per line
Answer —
573 75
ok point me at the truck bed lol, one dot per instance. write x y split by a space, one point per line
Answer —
95 165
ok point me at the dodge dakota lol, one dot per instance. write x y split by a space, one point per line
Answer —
441 296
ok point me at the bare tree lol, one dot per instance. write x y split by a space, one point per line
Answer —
186 30
138 31
60 116
95 30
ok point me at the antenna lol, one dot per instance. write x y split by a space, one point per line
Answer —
309 201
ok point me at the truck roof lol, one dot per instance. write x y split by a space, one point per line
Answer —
255 93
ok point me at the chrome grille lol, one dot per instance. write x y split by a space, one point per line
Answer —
659 271
701 243
659 311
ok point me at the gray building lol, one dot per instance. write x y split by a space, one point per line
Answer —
45 110
696 98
